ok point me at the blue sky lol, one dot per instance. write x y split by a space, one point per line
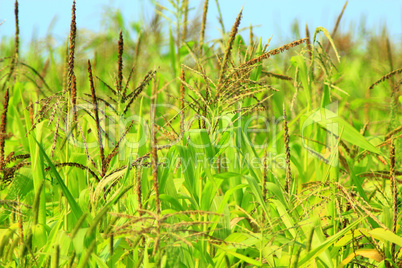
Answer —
274 18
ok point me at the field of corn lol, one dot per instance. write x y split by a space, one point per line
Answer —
144 147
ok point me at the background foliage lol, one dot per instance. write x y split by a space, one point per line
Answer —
140 147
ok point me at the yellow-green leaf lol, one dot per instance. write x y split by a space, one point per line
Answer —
367 253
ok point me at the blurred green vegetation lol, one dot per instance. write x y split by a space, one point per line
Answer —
228 185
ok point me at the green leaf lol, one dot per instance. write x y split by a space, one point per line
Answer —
141 135
39 236
51 240
70 199
184 50
91 234
38 173
326 96
208 194
256 73
223 204
21 129
300 63
285 217
166 183
334 124
101 263
173 201
252 182
227 175
19 188
367 253
311 255
273 188
188 168
199 140
386 236
326 33
241 240
240 256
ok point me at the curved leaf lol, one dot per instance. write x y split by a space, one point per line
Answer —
367 253
326 33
